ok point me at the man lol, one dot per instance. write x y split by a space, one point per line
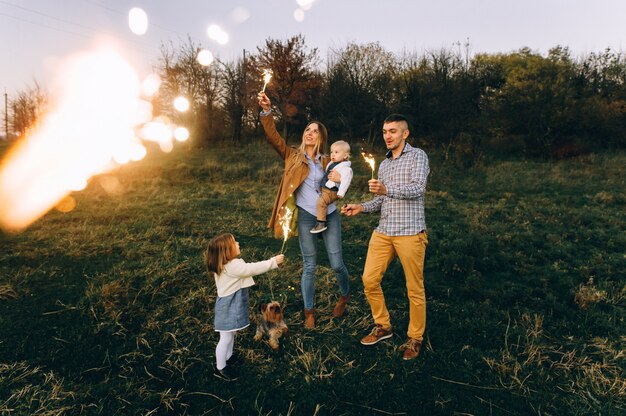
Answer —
401 231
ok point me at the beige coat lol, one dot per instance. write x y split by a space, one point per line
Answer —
296 171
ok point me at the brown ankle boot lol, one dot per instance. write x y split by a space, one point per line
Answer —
309 318
340 307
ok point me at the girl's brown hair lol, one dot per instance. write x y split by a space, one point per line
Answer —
220 250
321 144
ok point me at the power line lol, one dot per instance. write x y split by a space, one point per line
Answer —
81 26
124 14
49 16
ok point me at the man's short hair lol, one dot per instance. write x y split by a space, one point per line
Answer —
397 117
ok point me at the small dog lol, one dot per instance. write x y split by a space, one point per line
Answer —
271 322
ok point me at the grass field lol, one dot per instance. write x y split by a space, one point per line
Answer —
107 310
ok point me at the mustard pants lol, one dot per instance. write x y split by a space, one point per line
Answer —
411 251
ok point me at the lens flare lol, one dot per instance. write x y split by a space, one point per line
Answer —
90 129
138 21
205 57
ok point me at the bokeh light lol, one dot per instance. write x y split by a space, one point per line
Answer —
150 85
138 21
67 204
240 14
298 15
205 57
217 34
305 4
181 104
181 134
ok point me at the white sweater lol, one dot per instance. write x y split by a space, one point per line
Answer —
237 274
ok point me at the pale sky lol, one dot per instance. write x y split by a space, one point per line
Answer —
36 34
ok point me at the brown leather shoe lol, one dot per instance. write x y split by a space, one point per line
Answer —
309 318
411 349
377 334
340 307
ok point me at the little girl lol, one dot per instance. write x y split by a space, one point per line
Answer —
233 278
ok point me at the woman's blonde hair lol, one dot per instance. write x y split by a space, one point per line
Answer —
220 250
320 147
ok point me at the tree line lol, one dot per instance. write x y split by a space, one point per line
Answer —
517 103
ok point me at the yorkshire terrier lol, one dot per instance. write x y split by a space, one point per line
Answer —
271 322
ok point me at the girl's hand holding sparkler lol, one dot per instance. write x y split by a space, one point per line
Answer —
280 259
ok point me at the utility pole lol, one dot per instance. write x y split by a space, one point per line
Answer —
6 114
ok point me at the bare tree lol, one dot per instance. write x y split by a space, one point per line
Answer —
359 88
295 81
26 109
183 75
238 95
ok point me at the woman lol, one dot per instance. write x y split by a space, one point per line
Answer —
302 179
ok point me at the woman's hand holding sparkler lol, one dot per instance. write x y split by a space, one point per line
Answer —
264 101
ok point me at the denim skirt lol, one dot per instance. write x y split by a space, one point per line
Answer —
231 312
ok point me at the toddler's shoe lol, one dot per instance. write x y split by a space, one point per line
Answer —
319 227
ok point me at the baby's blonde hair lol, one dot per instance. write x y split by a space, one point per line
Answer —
343 144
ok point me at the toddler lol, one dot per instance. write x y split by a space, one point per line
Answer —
331 191
233 278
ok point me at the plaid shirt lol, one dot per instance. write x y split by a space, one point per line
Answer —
402 208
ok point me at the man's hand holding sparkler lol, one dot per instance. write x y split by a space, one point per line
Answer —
377 187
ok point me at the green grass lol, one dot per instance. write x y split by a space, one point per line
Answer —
107 309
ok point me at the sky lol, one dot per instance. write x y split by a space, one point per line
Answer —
35 35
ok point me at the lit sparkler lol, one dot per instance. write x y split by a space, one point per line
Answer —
285 222
98 123
267 76
369 159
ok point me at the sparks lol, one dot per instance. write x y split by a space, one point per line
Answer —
267 76
369 159
285 223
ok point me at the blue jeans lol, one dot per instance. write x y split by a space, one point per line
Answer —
308 247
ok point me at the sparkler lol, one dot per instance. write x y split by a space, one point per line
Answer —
285 222
98 123
369 159
267 75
